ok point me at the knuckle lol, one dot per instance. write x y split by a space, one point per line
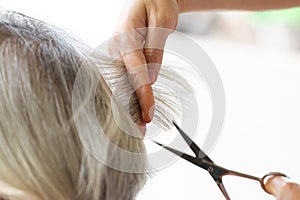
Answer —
153 54
167 18
134 59
153 51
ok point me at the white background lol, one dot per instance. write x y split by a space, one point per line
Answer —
262 87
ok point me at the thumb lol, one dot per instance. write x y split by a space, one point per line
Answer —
275 184
283 189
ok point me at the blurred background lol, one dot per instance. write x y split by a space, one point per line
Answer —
279 29
257 55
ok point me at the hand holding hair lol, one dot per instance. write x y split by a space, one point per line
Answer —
143 63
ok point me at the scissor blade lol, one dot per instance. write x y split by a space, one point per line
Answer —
222 188
198 152
187 157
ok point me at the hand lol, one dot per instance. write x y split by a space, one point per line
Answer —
141 48
283 189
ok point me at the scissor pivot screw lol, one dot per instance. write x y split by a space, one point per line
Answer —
210 169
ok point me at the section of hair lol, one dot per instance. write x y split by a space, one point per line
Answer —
167 104
40 149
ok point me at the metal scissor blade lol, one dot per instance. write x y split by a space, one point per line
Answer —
198 152
187 157
222 188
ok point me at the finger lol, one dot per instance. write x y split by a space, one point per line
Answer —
129 45
146 99
154 59
153 50
275 184
137 71
125 42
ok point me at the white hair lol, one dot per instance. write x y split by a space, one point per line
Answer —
40 149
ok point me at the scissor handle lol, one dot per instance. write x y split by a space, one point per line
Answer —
264 179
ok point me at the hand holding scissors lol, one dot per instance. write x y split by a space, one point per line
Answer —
217 172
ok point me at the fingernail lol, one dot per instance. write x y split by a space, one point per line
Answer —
153 69
151 112
143 129
152 77
148 116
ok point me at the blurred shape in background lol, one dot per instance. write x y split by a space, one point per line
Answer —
197 22
280 28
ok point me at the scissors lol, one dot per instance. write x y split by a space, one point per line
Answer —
217 172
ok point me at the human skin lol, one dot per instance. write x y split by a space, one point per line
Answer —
282 188
164 14
255 5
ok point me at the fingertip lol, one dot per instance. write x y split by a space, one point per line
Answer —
146 117
146 101
153 70
147 113
143 128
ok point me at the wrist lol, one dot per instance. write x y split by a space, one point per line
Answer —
180 4
200 5
192 5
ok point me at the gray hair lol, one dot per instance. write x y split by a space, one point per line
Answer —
40 149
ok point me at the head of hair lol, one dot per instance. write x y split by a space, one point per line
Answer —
41 150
